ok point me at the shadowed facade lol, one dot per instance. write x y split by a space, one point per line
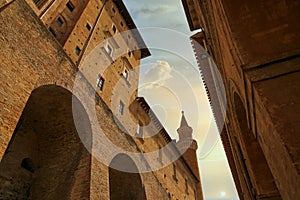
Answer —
253 49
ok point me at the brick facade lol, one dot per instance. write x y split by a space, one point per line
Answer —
42 156
255 46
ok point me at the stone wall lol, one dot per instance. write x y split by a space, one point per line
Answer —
42 156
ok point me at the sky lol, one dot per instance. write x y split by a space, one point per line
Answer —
170 82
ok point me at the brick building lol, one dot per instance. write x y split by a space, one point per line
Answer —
254 47
45 45
81 26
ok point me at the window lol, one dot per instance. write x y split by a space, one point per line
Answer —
88 26
114 10
125 74
114 28
175 173
77 50
70 6
108 49
59 21
129 53
139 130
121 108
39 3
121 23
100 82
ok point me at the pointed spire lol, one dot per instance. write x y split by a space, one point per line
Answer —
184 131
183 120
187 145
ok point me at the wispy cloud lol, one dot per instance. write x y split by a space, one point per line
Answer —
158 73
150 11
157 13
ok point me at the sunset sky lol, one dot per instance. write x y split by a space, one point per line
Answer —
170 82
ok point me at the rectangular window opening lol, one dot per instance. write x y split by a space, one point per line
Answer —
39 3
88 26
125 74
100 83
139 130
59 21
121 108
108 49
114 28
70 6
175 173
77 50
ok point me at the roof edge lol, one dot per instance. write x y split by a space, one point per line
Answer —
129 21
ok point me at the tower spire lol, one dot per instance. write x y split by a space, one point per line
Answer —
184 131
183 120
187 145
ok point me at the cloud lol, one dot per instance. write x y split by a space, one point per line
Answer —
149 11
157 74
158 13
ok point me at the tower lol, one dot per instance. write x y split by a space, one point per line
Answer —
187 145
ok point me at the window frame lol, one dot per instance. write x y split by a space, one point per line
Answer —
121 107
39 3
175 173
88 26
125 74
108 49
114 28
77 50
100 83
59 21
70 6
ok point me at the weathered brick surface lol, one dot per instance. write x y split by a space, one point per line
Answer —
36 122
280 137
255 46
101 16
